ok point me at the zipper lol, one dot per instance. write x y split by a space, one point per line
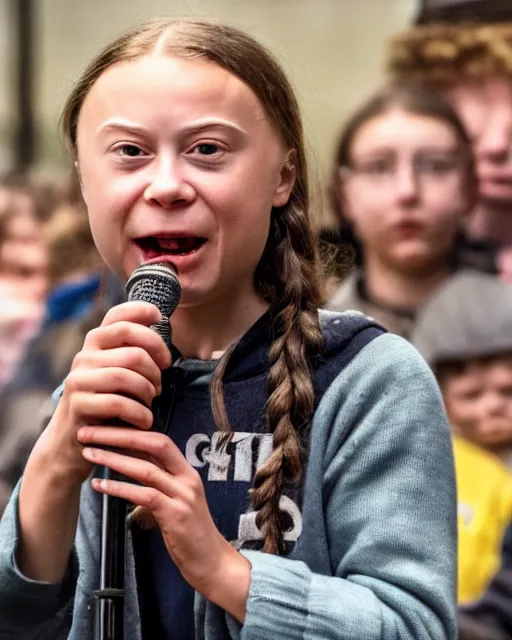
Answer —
164 406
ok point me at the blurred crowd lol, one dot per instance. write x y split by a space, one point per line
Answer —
419 238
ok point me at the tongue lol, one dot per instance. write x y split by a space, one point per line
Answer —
177 244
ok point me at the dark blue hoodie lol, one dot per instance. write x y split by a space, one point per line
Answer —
227 462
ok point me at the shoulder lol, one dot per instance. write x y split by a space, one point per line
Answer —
364 366
386 381
339 328
344 335
388 360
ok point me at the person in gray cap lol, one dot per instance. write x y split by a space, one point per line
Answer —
465 333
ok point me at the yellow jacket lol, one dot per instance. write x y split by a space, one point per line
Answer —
484 487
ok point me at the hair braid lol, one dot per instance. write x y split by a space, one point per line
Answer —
291 397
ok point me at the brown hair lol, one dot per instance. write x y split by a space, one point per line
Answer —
447 54
286 275
70 243
411 97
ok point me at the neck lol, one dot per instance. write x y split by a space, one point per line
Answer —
393 288
491 222
203 331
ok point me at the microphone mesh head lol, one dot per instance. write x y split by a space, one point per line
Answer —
159 285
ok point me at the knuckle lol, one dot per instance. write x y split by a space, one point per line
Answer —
117 405
149 389
181 515
117 377
160 443
153 499
78 361
93 335
194 483
125 330
147 419
72 383
138 356
147 474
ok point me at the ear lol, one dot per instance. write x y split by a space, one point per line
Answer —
286 181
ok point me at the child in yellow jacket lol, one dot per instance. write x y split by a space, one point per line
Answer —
465 333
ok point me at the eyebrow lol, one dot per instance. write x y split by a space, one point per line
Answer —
420 149
192 127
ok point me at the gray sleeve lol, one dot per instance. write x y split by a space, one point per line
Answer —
390 511
25 604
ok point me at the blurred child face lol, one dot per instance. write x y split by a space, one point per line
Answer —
23 259
478 401
405 192
179 162
486 110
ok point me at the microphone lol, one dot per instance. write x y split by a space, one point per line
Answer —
158 284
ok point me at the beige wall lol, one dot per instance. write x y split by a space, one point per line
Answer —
332 49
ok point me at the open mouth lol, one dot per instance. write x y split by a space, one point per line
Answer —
154 247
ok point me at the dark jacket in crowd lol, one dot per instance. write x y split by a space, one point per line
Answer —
491 617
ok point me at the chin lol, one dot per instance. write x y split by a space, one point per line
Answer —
412 261
194 296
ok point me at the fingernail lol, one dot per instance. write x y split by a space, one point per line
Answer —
88 453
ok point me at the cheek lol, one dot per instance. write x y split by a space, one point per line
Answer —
105 194
242 205
367 210
445 206
244 236
459 410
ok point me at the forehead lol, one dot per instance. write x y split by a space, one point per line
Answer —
479 101
161 89
399 129
490 92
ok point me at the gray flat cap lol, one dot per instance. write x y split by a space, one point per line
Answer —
469 316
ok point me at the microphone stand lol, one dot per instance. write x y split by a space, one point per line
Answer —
109 598
158 284
109 606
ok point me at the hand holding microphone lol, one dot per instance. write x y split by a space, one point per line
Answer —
117 374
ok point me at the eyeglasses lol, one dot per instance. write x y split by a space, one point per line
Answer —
431 167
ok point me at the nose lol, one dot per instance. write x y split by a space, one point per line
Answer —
493 404
406 185
167 187
495 142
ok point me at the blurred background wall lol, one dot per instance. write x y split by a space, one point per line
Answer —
332 49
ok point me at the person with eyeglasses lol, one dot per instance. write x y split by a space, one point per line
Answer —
402 183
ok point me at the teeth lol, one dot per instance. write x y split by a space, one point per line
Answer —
175 244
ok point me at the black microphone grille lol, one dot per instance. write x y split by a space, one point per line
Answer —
156 283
